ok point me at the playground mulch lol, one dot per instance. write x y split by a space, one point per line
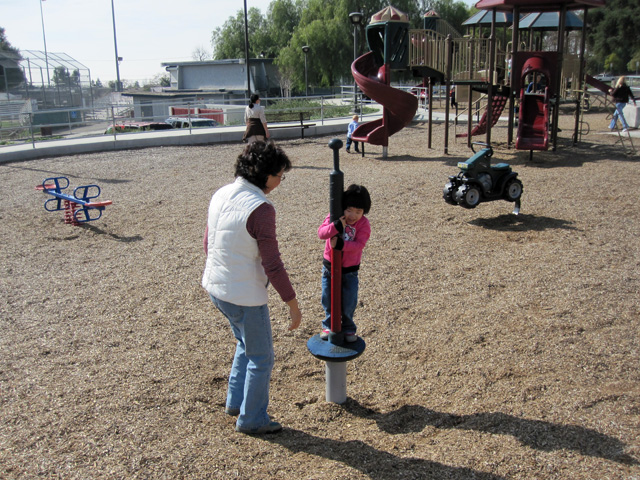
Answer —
498 346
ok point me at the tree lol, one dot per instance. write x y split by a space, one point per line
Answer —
614 30
613 63
454 12
324 26
11 75
634 63
6 47
200 54
228 40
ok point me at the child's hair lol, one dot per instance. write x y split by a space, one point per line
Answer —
356 196
355 117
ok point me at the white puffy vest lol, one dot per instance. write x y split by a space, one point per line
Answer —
234 271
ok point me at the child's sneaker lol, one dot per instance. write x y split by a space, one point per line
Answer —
350 337
325 334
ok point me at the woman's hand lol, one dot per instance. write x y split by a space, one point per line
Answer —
295 313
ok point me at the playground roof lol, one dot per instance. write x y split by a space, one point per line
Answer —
537 5
484 17
389 14
548 21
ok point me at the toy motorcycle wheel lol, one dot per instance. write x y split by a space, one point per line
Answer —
447 194
513 190
468 196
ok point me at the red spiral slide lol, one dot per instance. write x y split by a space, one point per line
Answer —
399 107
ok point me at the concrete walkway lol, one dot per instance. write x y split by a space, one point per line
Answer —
199 136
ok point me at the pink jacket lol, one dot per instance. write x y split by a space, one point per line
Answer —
355 238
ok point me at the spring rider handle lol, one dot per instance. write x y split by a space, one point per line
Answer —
336 187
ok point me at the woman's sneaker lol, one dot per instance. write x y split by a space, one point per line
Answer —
271 427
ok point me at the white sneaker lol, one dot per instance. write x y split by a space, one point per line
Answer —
626 130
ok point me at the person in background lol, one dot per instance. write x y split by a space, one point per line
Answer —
353 124
242 259
620 93
256 121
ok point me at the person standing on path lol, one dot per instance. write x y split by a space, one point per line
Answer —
242 259
256 121
620 94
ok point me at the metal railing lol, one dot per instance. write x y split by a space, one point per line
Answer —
41 126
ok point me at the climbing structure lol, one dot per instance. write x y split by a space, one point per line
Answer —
387 37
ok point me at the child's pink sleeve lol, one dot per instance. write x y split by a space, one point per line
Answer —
327 229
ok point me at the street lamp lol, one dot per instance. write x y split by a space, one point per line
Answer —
356 19
44 40
115 45
306 49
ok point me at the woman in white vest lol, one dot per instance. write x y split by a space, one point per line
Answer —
242 259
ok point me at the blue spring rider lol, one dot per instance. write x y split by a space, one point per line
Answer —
79 207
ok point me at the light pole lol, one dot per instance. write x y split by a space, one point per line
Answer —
637 62
306 49
246 50
115 46
44 40
356 19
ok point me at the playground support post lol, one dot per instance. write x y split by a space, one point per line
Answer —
470 89
449 57
558 72
580 90
515 39
430 113
492 61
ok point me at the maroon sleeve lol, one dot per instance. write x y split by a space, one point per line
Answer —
261 225
205 240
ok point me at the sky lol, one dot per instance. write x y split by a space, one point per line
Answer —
148 32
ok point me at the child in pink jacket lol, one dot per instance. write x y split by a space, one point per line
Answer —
350 234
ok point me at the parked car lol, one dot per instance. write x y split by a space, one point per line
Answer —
137 127
605 77
186 122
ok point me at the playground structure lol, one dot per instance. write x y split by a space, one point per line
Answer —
479 181
387 38
480 66
335 351
79 207
533 118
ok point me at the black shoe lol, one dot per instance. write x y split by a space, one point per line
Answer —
271 427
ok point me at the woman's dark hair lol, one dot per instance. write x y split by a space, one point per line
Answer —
356 196
254 98
258 160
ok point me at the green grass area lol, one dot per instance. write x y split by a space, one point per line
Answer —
316 109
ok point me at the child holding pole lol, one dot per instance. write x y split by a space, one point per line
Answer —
349 234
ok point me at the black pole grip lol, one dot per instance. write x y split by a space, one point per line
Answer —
336 182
